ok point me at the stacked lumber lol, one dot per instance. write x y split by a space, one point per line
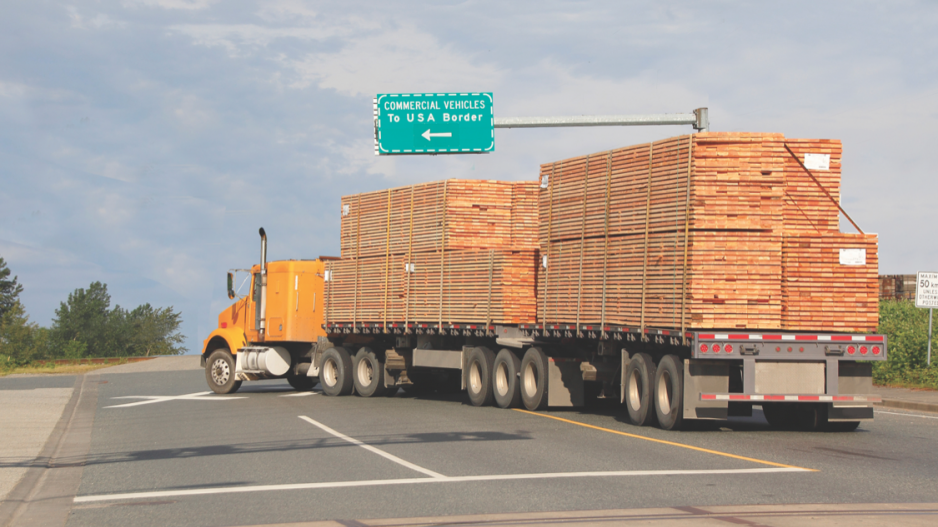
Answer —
808 209
443 215
727 181
615 289
451 252
830 281
615 227
463 286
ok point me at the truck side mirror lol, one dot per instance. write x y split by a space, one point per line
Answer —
231 292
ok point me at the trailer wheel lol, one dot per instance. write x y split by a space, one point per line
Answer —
335 374
479 376
506 382
639 390
302 383
369 373
534 379
220 372
781 416
669 393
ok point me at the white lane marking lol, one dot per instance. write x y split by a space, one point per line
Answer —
411 481
370 448
299 394
907 415
150 399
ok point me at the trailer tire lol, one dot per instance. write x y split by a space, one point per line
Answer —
220 372
368 375
534 379
479 376
302 383
639 389
335 374
669 392
506 379
842 426
781 416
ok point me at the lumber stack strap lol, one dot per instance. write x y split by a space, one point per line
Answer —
830 281
442 215
462 286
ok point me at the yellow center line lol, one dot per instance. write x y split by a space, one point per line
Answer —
662 441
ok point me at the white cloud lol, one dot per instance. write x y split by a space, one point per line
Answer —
401 59
99 21
189 5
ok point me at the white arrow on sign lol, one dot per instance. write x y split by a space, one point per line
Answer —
427 135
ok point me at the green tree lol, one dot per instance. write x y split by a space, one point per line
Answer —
85 325
154 331
83 319
9 289
21 341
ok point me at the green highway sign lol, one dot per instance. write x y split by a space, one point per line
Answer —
434 123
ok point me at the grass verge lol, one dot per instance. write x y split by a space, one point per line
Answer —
56 369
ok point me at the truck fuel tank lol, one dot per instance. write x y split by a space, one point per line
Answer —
261 362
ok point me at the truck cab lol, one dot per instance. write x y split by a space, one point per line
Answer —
269 333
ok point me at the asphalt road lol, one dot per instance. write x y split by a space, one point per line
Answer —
269 455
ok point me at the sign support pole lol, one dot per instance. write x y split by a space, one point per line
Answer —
930 310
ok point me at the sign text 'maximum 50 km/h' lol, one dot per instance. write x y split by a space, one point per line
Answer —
434 123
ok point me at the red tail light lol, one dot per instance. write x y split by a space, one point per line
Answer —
703 348
876 350
863 350
728 348
716 348
851 350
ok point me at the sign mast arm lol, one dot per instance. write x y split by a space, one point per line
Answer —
699 119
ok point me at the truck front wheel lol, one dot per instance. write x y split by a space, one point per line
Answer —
335 375
479 376
369 373
669 392
220 372
639 389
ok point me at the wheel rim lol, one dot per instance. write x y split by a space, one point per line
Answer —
366 372
501 379
530 380
664 393
221 372
475 378
635 391
329 373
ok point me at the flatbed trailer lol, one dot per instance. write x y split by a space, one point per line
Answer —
801 380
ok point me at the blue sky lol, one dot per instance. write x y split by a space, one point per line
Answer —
143 142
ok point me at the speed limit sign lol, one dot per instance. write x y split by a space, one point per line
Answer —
926 290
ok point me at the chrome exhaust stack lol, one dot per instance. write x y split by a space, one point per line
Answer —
262 309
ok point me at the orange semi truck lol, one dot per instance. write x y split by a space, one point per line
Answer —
279 331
